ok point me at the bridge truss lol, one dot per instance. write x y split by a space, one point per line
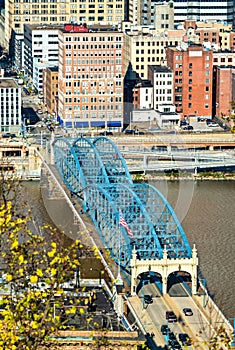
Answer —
95 171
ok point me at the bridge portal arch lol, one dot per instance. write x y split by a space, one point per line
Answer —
165 267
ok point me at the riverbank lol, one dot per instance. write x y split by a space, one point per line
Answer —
175 176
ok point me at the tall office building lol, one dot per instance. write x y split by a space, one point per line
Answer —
90 77
142 11
204 10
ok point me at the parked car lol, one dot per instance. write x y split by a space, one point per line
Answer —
184 339
212 124
148 299
26 91
130 131
188 127
183 122
106 133
187 311
39 111
170 316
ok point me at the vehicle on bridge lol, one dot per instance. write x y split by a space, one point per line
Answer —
187 311
171 316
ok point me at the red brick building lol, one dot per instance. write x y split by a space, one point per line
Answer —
225 90
193 67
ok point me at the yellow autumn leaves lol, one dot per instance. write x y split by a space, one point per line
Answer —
36 270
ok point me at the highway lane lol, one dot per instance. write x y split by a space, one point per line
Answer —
157 312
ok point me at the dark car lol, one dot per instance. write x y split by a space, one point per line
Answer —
188 127
170 316
165 329
187 311
184 339
26 91
148 299
106 133
174 344
183 122
130 131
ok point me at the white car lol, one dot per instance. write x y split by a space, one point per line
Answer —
39 111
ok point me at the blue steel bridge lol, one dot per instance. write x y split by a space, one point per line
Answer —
94 170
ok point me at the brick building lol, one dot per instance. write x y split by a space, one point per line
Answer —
192 66
224 90
50 91
90 77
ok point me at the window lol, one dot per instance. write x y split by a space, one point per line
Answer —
190 65
190 81
206 105
190 88
206 97
190 105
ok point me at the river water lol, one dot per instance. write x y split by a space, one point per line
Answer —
206 211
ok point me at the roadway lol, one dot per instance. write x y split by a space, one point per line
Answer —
200 327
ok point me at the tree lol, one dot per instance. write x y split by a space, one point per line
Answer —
34 269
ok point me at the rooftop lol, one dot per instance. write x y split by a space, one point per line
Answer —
160 69
8 83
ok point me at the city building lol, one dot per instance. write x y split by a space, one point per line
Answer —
10 107
202 33
50 89
147 12
143 95
18 13
203 10
193 67
161 78
91 76
40 45
224 58
163 15
145 46
224 90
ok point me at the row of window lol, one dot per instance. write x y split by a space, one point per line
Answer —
94 107
162 51
92 99
180 81
163 91
157 43
94 47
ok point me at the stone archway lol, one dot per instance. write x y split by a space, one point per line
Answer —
164 267
179 277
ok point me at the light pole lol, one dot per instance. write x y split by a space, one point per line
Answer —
77 277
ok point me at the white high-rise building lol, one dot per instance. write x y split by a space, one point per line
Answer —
10 105
40 45
203 10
